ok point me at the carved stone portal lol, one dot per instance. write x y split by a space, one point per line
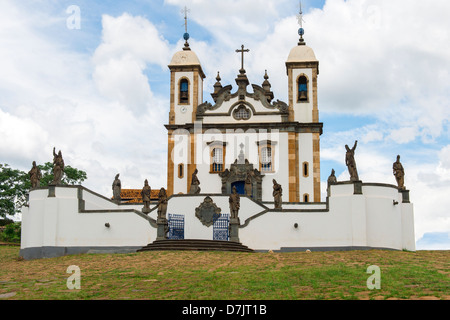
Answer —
208 212
243 171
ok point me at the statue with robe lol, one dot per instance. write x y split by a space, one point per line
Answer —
162 204
117 188
58 167
277 194
248 185
351 163
195 184
332 178
399 173
235 203
146 197
35 176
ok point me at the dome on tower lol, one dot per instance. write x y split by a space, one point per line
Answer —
185 58
301 53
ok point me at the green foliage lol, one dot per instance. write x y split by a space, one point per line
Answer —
15 185
11 233
72 176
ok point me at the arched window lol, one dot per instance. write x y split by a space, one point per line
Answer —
217 159
184 91
302 89
180 170
306 197
305 169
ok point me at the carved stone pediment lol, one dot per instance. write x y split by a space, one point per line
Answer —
259 94
208 212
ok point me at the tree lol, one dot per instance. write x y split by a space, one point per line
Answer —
11 233
72 176
15 185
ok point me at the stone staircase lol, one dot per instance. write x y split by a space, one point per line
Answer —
195 245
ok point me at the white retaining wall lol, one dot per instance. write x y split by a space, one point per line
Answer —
377 218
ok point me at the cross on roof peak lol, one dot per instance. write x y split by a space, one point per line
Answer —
242 51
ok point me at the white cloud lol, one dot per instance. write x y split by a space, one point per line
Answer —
404 135
128 45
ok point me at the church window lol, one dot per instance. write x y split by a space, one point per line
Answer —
302 89
184 91
305 169
217 159
266 159
180 170
306 197
266 149
241 113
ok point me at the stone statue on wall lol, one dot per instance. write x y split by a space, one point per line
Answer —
35 176
146 197
162 204
235 204
399 173
248 185
117 188
58 167
195 184
332 178
351 163
277 194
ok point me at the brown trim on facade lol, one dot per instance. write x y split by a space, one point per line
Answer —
316 166
170 164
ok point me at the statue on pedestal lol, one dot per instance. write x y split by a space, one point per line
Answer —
277 194
234 201
351 163
162 204
58 167
195 188
146 196
399 173
332 178
35 176
117 188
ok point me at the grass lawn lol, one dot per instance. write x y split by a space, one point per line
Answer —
177 275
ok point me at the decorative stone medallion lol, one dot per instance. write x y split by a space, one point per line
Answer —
208 212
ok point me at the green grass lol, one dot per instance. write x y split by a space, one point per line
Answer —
228 276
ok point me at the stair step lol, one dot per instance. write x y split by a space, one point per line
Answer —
196 245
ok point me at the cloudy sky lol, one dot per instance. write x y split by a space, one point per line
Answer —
90 78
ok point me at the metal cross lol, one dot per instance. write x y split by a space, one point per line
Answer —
242 51
300 16
185 11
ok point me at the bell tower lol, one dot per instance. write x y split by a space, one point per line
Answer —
303 69
186 93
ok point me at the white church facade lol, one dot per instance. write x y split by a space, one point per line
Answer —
244 140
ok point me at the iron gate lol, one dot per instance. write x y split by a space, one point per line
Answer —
176 227
221 228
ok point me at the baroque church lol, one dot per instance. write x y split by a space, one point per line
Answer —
243 174
246 136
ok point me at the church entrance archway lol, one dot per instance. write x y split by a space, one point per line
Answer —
240 187
246 179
